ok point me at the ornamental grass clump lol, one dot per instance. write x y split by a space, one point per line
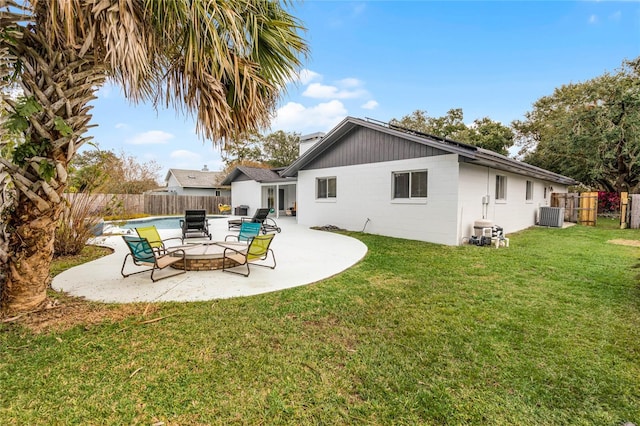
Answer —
77 223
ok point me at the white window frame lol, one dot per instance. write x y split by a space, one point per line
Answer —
501 189
410 198
327 195
528 191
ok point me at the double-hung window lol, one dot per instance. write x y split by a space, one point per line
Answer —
529 191
501 188
326 188
408 185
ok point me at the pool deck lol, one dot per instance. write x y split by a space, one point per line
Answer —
303 256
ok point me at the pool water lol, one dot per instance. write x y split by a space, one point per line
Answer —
172 222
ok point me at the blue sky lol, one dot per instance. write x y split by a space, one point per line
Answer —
386 59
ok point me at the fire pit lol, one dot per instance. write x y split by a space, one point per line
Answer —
205 257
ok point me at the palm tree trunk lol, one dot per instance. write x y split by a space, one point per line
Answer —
31 252
62 83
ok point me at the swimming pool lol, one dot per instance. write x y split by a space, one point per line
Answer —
167 222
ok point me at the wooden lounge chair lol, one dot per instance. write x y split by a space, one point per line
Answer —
248 230
194 222
260 216
142 254
152 235
258 249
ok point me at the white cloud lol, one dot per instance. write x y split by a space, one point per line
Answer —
350 82
593 19
306 76
370 105
320 91
152 137
121 126
295 117
301 118
323 91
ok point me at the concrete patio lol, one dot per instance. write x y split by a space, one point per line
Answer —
303 255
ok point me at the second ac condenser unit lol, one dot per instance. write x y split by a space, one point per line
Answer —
551 216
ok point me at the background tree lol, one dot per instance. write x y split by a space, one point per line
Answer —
448 126
90 170
483 132
277 149
242 149
224 62
130 176
589 131
489 134
281 148
108 173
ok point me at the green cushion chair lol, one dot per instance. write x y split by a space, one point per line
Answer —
142 254
257 250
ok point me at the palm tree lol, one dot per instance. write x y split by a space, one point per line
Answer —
225 62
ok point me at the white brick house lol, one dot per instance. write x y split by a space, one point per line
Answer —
388 181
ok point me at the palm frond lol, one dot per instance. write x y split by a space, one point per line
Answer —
245 50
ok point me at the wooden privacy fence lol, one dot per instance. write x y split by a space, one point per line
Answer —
155 204
588 211
570 202
104 204
579 208
583 208
629 210
151 204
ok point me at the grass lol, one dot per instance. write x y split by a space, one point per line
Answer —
87 254
545 332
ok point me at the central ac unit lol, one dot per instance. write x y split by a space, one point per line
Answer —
551 216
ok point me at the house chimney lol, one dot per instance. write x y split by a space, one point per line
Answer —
307 141
205 168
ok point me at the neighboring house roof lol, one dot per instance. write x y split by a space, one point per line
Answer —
254 173
468 153
196 178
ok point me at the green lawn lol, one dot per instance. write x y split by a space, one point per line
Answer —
544 332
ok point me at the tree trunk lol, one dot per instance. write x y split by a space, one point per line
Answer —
28 276
62 82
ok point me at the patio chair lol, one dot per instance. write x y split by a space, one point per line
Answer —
260 216
258 249
194 222
248 230
152 235
142 254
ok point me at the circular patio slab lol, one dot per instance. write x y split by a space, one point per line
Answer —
303 255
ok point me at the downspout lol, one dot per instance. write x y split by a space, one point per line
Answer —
277 201
485 199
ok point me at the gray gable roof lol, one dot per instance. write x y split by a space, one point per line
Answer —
196 178
253 173
466 153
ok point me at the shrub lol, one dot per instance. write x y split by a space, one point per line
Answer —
76 225
608 202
